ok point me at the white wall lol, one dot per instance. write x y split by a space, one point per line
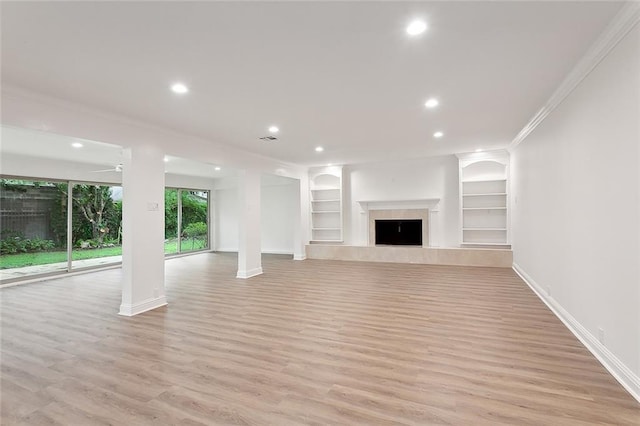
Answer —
278 217
278 212
576 208
226 213
435 177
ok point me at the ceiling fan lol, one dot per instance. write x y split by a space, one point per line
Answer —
116 168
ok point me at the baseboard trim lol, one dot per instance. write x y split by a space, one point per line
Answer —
144 306
299 257
627 378
250 273
277 252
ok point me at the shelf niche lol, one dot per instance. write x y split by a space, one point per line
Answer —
484 215
325 187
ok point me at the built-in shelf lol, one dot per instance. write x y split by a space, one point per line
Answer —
485 194
484 215
483 180
484 208
325 185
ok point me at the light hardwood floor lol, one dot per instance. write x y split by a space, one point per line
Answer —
312 342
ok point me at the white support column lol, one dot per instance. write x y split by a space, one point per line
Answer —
142 230
301 212
249 249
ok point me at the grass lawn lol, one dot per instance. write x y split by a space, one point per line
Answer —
45 257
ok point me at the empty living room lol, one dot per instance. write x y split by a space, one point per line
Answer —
200 223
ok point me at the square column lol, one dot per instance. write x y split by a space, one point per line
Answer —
142 230
249 247
300 225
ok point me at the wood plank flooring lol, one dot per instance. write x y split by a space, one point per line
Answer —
307 343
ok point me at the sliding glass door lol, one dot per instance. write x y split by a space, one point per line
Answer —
96 225
49 226
186 220
195 229
171 231
33 227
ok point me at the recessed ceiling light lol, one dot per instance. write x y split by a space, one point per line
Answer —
438 134
416 27
478 150
77 145
179 88
166 159
274 129
319 149
431 103
217 169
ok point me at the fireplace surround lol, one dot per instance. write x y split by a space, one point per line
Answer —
423 209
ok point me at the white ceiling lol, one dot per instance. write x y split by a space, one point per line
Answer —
98 156
343 75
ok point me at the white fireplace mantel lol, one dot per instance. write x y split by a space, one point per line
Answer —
432 204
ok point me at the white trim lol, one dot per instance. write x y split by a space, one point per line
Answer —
144 306
627 378
250 273
290 252
299 257
499 155
423 203
620 25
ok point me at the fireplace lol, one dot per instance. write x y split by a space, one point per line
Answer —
425 210
402 232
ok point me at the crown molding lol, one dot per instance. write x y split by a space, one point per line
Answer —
618 28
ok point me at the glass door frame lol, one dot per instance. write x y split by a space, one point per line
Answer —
70 267
179 251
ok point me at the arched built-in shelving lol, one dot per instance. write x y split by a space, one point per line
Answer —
326 205
484 215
